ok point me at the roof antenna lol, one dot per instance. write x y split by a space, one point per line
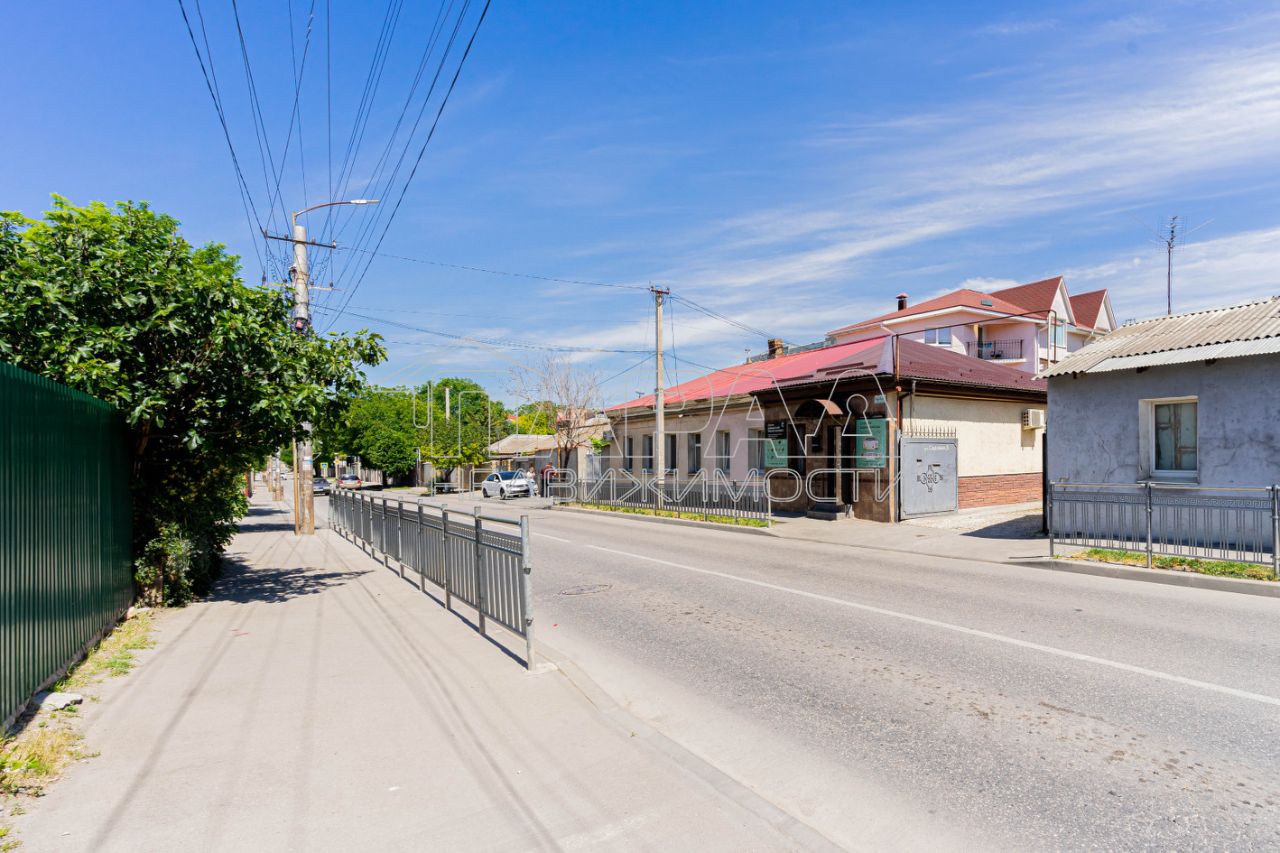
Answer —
1175 236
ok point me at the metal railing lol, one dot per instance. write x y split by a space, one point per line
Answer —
1242 525
66 571
695 498
994 350
482 560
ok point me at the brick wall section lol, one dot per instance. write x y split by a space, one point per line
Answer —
996 489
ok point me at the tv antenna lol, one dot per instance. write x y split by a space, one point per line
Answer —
1173 236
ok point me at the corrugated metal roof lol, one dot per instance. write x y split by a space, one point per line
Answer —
1238 330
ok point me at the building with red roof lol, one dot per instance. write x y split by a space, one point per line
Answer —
1030 326
797 422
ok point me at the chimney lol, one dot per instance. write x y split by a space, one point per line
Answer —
775 347
902 301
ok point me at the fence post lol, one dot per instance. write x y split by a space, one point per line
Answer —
399 538
419 560
526 592
444 556
1275 531
1048 515
1150 541
479 559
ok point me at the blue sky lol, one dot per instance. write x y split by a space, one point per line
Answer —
793 166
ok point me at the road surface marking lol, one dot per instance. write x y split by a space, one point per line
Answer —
973 632
549 536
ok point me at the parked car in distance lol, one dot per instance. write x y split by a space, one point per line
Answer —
349 481
506 484
320 486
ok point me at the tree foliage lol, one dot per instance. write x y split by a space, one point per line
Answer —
209 376
379 426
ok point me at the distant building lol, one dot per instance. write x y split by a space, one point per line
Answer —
1030 327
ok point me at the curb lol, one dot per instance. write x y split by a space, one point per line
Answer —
657 519
1245 586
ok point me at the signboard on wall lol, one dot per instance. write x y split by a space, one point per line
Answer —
871 443
775 453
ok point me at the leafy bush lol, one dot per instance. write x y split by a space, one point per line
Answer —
206 371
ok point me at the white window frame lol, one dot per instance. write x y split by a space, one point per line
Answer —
937 334
628 453
646 462
724 451
672 455
1147 423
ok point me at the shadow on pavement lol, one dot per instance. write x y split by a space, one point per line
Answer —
243 584
1024 527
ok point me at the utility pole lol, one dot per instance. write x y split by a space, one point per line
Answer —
659 398
1168 279
304 505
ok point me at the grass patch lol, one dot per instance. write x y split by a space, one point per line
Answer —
1219 568
669 513
112 657
31 760
7 843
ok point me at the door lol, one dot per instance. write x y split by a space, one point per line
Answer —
929 483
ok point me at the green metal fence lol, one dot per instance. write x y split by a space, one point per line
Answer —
65 567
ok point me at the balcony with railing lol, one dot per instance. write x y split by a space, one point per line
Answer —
995 350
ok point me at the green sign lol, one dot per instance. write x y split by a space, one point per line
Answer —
775 453
871 443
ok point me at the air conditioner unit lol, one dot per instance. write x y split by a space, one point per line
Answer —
1033 418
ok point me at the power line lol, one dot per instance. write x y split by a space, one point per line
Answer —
246 198
430 135
722 318
495 272
497 343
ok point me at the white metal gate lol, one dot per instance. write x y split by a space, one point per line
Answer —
929 483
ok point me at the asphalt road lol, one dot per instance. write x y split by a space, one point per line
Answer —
896 701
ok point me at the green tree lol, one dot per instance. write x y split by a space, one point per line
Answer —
211 380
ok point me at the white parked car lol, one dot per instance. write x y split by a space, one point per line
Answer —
506 484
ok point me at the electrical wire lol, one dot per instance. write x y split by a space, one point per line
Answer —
430 135
246 198
493 342
495 272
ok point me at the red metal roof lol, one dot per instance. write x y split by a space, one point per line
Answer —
1087 307
756 375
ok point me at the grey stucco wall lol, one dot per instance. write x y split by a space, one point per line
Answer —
1094 421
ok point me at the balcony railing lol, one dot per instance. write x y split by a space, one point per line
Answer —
994 350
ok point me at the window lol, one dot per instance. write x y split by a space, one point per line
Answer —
695 452
756 460
670 457
648 454
1060 334
722 451
1174 438
628 452
941 337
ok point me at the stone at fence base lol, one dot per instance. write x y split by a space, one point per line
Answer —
57 700
136 611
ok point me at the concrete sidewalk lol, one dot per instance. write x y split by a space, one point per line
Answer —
319 702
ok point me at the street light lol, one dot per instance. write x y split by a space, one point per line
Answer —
304 498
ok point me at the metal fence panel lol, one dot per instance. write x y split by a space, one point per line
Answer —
65 554
481 560
697 497
1241 525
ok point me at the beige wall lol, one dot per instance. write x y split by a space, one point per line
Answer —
989 433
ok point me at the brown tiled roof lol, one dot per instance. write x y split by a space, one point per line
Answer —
1087 307
1036 296
964 298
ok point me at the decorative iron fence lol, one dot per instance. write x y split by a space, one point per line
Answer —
1242 525
994 350
696 498
482 560
66 572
